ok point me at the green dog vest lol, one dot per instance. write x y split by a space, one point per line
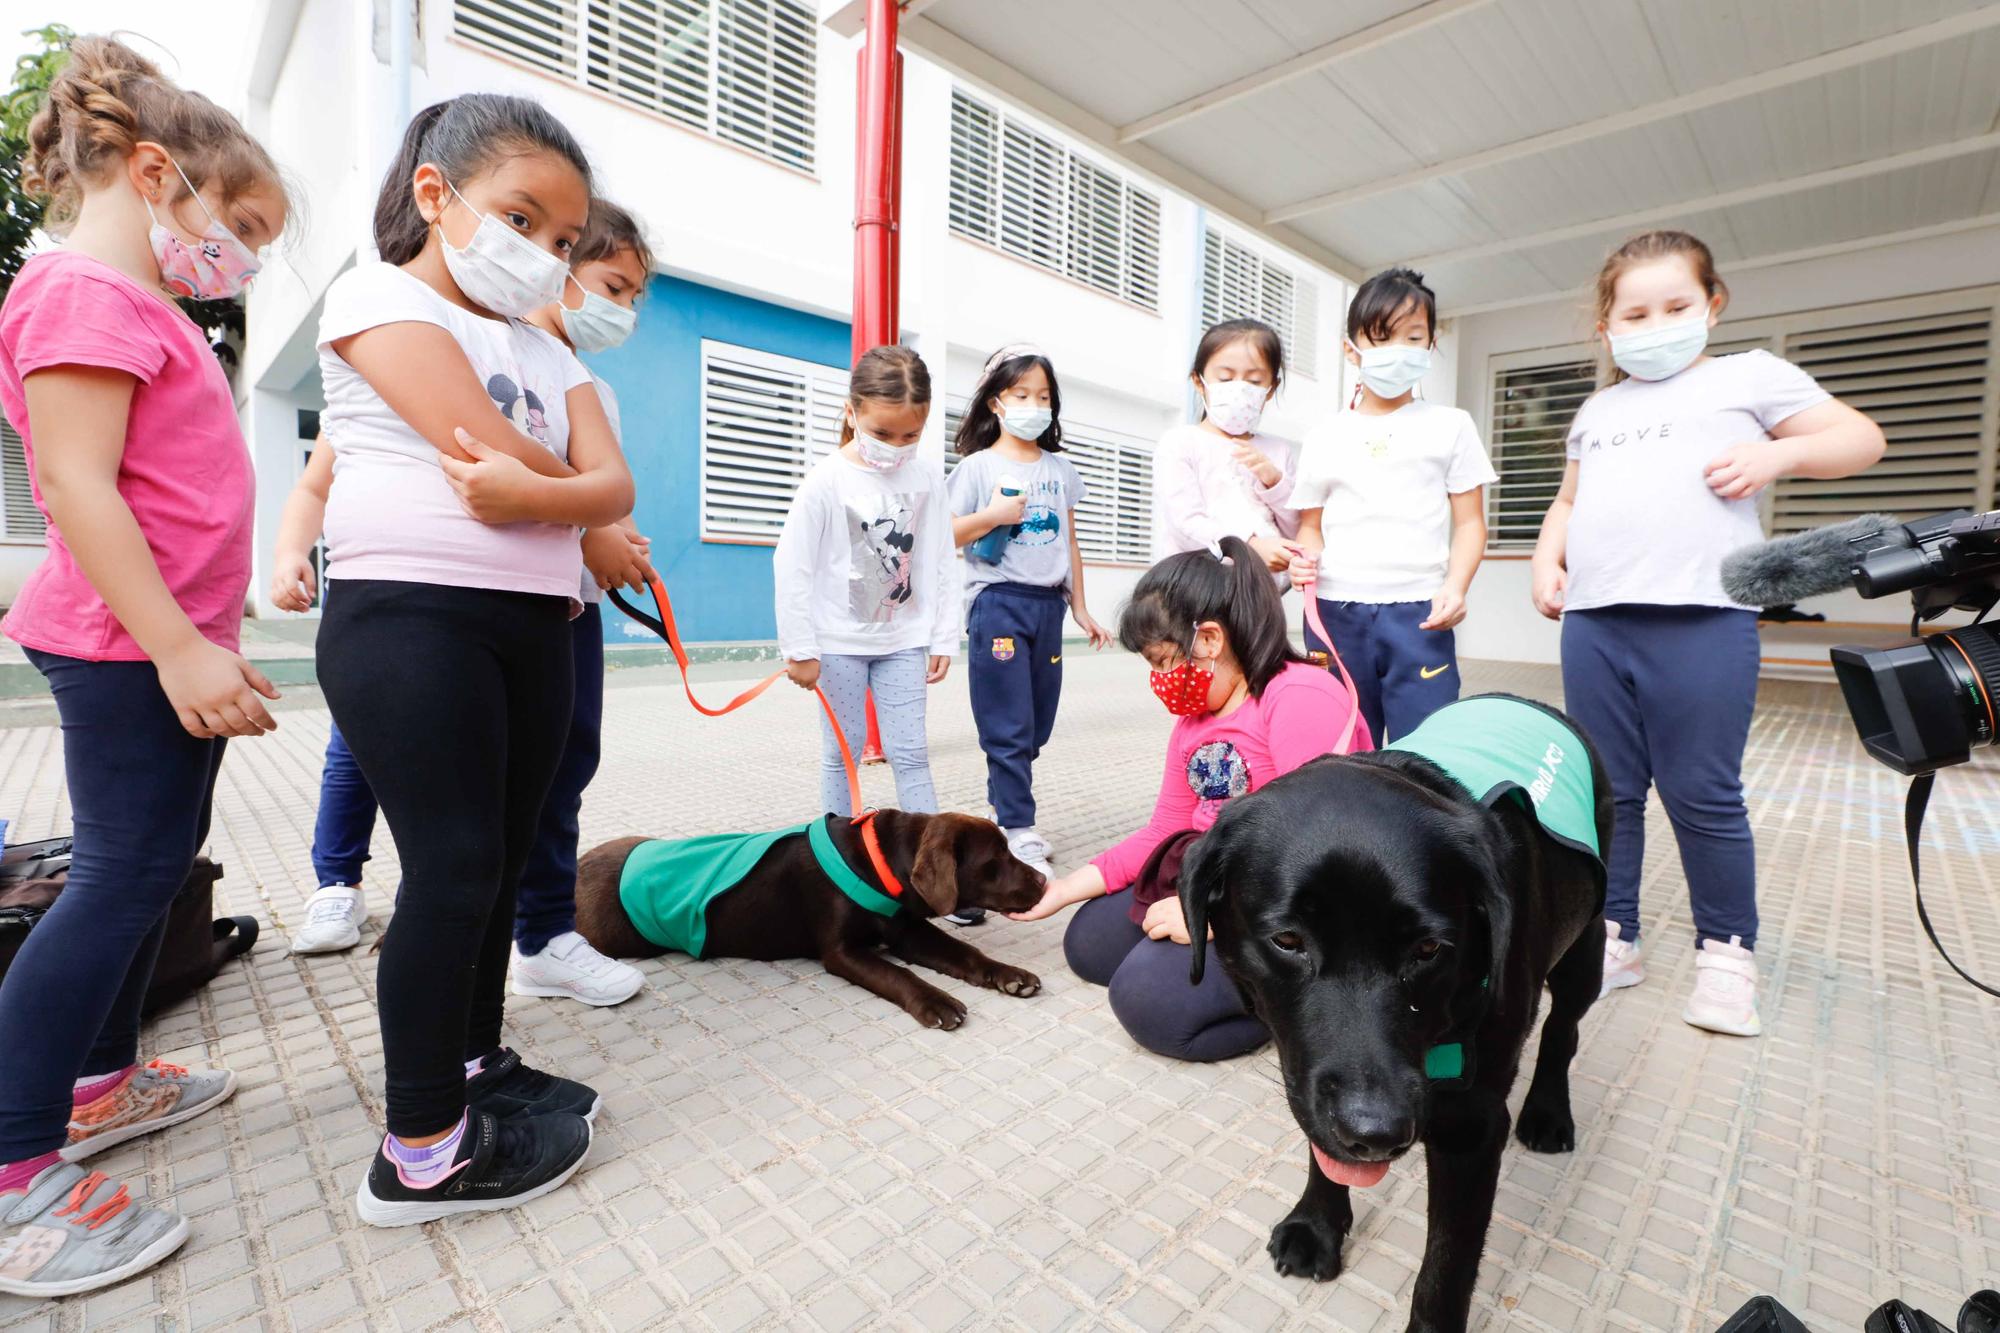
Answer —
1496 746
667 884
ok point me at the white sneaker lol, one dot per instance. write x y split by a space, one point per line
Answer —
1622 964
568 968
333 920
1030 849
1725 989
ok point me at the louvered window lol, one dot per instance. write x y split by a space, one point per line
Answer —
1532 410
20 521
1020 190
1239 283
742 70
1114 522
765 420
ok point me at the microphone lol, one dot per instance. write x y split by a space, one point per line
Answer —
1807 564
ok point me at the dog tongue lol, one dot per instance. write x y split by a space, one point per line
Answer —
1358 1175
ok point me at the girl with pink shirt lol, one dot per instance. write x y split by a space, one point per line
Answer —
1212 628
136 461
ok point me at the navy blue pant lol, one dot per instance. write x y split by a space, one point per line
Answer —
545 906
1402 674
1666 693
140 790
1151 995
1015 635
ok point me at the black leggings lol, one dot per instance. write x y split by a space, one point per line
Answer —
455 702
1150 992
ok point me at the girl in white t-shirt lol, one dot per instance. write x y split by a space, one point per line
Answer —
1222 477
1659 665
1392 517
469 448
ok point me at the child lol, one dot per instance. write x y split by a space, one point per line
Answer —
1220 477
1211 626
1392 514
1659 665
138 464
867 590
469 447
1010 439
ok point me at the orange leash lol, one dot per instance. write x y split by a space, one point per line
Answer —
664 626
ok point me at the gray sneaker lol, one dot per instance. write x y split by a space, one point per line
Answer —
77 1230
157 1095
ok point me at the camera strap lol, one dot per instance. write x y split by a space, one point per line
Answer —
1913 824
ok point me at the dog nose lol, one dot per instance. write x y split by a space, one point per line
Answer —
1370 1133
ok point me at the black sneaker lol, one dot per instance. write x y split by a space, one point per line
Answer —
500 1164
971 916
511 1090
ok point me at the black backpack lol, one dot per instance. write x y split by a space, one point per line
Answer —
196 945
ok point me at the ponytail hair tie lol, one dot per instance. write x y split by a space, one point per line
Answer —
1215 549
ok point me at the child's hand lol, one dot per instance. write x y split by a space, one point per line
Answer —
293 583
1304 569
1006 510
1166 921
1550 586
616 558
1098 635
1062 891
1741 472
804 674
494 487
1447 610
938 667
1259 466
215 691
1275 554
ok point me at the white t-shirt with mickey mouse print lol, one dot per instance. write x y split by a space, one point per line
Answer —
392 514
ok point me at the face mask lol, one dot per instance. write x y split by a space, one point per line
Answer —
1235 406
880 454
1392 371
214 270
599 324
1661 352
501 270
1026 423
1184 689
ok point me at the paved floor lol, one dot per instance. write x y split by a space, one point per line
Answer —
782 1151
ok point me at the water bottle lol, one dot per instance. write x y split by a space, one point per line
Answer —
994 544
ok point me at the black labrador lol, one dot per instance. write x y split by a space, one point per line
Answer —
1373 915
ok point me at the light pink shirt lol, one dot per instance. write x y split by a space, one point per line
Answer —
1201 494
1212 759
185 472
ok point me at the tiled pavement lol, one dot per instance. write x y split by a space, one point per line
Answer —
780 1150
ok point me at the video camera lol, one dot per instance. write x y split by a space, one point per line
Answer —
1979 1314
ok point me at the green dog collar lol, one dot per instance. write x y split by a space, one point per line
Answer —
860 890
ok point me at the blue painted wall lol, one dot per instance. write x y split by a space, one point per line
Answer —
720 591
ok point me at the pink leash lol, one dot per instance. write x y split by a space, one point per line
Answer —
1345 745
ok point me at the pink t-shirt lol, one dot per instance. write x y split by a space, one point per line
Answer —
185 472
1211 759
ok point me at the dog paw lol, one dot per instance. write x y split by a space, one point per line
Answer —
1306 1247
939 1012
1013 981
1544 1129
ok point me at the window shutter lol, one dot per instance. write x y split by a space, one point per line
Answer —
540 32
765 71
1239 283
1926 382
1142 258
975 134
653 54
1115 521
1532 410
19 519
765 420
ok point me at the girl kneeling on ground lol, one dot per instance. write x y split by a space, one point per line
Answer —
1212 628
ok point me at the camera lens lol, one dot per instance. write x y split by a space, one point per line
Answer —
1927 703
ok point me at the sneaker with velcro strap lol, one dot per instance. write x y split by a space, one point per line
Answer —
500 1164
511 1090
74 1230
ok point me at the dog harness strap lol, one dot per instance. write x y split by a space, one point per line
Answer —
863 893
1447 1061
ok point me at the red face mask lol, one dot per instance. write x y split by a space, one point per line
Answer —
1184 690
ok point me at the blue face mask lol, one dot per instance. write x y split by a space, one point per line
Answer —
1393 370
1660 352
1026 423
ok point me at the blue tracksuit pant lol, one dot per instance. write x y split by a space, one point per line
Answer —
1402 674
1014 632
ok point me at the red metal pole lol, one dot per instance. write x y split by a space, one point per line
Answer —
878 182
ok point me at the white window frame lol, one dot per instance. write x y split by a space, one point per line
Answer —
822 391
1775 333
1285 297
21 524
579 42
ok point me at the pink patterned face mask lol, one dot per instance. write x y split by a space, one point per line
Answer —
217 268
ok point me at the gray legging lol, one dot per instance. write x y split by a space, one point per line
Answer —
1150 992
898 682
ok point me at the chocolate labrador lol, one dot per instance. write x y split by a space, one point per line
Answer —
813 892
1393 928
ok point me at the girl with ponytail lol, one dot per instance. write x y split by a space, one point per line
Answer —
1212 628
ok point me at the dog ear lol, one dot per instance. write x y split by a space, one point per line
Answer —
934 870
1496 902
1201 883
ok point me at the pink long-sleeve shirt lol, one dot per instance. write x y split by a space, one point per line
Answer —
1201 494
1212 758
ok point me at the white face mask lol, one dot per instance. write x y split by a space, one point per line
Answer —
1662 351
1393 370
1235 406
599 324
1024 422
500 269
880 454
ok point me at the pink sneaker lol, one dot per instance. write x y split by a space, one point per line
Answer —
1622 964
1725 989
